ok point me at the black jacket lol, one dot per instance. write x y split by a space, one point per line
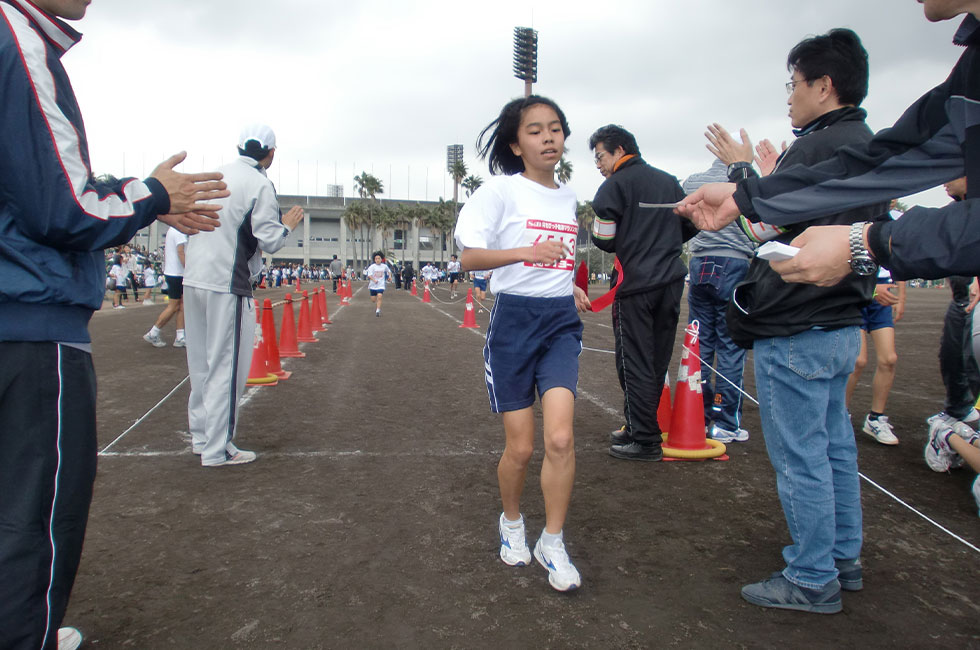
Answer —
648 240
936 140
765 306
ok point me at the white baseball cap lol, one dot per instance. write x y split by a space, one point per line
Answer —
258 132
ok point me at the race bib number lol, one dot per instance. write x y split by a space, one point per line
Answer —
537 231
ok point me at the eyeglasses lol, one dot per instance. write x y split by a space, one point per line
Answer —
791 86
599 155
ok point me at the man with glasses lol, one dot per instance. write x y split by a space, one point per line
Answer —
806 340
647 240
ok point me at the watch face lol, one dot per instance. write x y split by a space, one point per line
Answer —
864 266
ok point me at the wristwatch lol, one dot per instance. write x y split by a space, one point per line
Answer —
861 262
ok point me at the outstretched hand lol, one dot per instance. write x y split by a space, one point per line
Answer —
726 148
710 207
189 192
293 218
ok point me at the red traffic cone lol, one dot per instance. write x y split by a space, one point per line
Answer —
323 306
686 438
298 288
664 410
582 277
415 291
287 336
304 333
262 284
316 319
469 316
425 296
258 372
271 348
344 292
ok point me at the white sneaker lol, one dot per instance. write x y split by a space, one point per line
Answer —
69 638
562 574
972 416
880 429
726 436
180 343
155 341
240 458
964 431
513 547
938 454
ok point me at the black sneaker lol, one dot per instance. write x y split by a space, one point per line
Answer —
780 593
620 437
636 451
849 574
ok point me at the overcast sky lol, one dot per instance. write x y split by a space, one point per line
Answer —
383 87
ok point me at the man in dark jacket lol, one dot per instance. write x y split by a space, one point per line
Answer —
806 341
648 243
55 222
936 140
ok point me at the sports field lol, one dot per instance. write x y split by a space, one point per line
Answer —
369 518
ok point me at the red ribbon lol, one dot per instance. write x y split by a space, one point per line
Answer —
606 299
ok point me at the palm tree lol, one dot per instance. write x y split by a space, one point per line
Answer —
458 172
355 214
471 184
368 187
441 220
563 171
385 218
585 215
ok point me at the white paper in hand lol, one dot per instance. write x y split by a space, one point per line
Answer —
775 251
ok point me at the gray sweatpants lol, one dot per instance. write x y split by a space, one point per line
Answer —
220 330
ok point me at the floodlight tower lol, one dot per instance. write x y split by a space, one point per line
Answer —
526 56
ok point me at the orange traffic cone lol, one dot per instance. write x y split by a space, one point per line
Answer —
686 438
271 348
415 291
304 333
288 347
298 288
664 410
323 306
425 296
258 372
345 292
316 319
469 316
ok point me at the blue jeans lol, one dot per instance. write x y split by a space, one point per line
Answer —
801 381
713 281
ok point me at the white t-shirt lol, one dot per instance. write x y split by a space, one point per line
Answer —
453 267
171 261
119 271
376 274
511 212
149 277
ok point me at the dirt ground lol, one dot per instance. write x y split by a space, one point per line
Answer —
369 518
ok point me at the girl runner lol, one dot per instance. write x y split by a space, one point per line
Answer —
523 224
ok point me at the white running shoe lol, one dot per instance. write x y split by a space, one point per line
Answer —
938 454
972 416
562 574
961 429
880 429
239 458
155 341
69 638
513 547
180 343
726 436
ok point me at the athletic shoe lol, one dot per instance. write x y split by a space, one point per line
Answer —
726 436
180 343
849 574
69 638
378 313
778 592
976 492
880 429
636 451
240 458
120 307
620 437
562 574
938 454
148 302
154 340
961 429
972 416
513 547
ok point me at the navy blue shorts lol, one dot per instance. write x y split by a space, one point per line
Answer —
375 292
480 284
531 343
175 286
876 316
